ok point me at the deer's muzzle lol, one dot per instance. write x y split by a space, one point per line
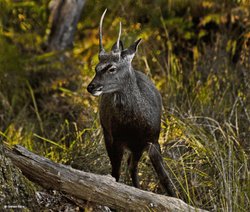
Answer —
94 89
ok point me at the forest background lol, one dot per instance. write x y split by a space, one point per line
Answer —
196 52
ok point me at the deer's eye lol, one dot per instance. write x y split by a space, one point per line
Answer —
112 70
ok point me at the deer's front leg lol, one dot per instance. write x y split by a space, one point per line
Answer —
115 153
133 167
116 159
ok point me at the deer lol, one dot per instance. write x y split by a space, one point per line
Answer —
130 110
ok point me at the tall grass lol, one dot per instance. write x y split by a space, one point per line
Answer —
210 165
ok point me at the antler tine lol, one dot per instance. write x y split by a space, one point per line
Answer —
119 37
100 31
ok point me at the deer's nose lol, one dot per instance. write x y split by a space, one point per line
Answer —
91 87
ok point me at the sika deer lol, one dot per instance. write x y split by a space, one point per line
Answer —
130 110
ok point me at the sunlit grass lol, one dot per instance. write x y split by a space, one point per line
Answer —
208 161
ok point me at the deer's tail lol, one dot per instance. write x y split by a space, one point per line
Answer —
157 161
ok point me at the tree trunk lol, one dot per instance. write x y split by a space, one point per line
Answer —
16 192
64 16
102 190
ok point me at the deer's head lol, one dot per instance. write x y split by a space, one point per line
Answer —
114 68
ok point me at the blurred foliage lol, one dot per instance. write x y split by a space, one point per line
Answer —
196 52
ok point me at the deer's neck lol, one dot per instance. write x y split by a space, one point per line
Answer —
129 94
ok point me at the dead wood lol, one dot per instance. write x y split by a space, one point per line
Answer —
99 189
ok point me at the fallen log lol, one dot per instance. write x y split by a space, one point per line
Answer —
95 188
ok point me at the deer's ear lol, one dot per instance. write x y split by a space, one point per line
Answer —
129 53
114 47
133 48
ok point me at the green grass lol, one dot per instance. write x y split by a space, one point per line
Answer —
211 168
